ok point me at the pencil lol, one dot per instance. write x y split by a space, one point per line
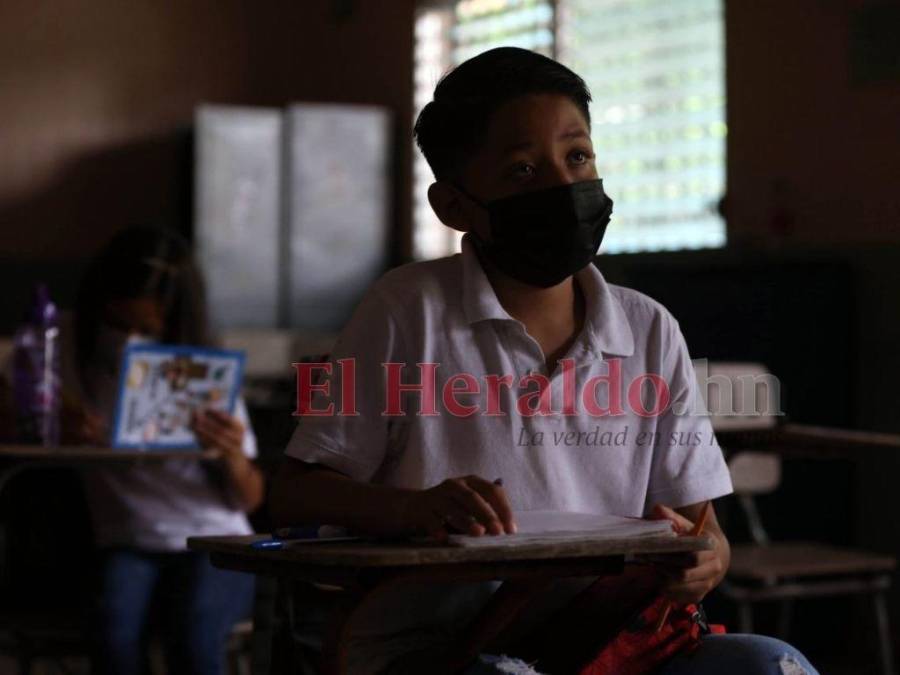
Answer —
696 531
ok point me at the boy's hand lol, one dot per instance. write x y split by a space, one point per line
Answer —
470 505
688 577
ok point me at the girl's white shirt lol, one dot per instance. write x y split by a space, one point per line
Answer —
154 506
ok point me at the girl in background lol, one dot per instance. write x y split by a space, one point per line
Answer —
145 287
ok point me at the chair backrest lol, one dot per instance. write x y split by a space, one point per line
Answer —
755 473
744 397
739 396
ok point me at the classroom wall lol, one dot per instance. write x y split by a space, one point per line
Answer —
97 98
96 101
813 160
813 134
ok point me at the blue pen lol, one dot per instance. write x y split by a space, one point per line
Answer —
284 535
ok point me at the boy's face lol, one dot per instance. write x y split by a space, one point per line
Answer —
533 142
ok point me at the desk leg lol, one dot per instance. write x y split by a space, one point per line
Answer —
504 606
334 645
501 610
568 640
264 625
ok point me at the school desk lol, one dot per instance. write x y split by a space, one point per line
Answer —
365 569
805 440
37 634
15 459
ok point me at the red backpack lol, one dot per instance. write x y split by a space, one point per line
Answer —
640 648
610 629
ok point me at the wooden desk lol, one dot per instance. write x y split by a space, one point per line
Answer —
804 440
32 633
367 569
84 454
14 459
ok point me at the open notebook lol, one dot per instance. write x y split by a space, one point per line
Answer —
553 526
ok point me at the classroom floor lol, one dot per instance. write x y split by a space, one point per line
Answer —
77 666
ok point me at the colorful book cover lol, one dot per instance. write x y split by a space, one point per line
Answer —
160 387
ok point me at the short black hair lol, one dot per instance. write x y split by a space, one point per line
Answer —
452 126
143 261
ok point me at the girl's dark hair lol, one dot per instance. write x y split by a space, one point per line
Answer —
143 262
452 126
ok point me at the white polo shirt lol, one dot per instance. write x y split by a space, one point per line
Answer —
445 312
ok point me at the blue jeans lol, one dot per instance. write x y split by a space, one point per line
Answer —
734 654
196 604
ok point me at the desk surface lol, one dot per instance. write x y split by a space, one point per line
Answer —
808 440
17 459
362 571
76 454
371 554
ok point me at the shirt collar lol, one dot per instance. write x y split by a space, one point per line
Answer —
479 300
605 318
606 324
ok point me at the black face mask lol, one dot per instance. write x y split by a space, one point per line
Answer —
542 237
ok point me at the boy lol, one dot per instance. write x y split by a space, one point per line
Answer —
531 368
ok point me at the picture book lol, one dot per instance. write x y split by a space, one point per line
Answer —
160 387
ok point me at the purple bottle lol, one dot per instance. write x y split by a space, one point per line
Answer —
36 376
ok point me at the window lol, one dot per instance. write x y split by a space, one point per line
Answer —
656 72
447 35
